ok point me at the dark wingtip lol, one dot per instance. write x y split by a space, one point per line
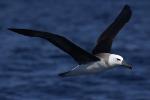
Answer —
19 31
127 6
127 9
25 32
126 13
11 29
14 29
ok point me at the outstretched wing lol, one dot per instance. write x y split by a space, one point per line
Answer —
104 42
80 55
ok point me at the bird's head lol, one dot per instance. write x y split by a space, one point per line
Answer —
115 60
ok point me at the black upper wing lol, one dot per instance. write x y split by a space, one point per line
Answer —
104 42
80 55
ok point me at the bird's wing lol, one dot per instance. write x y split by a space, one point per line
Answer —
104 42
79 55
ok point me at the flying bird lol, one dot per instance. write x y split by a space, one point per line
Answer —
100 59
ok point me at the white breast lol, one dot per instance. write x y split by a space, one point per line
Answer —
97 66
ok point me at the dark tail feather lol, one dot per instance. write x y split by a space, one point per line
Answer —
65 74
28 32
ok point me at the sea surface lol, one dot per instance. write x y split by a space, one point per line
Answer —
29 67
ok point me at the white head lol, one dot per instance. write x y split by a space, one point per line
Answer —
114 60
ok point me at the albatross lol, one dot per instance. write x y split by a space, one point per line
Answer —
100 59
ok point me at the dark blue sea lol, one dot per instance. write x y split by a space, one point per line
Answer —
29 66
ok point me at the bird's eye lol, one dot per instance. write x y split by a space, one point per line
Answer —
118 59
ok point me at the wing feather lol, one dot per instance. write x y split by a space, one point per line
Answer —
79 55
104 42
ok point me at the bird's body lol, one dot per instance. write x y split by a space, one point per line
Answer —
105 63
100 59
89 68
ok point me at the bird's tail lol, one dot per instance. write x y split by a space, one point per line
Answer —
64 74
71 73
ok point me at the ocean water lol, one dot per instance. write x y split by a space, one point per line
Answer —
29 66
